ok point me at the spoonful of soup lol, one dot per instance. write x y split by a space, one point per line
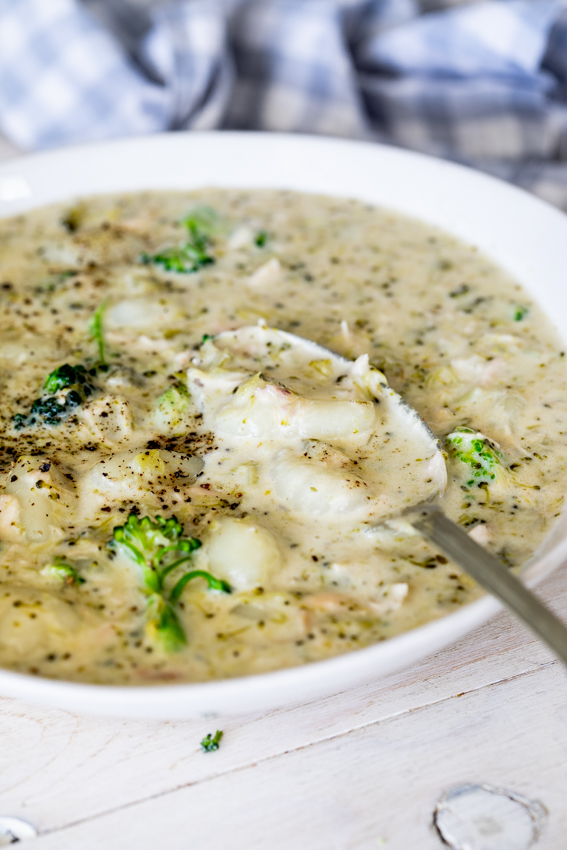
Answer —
326 441
329 437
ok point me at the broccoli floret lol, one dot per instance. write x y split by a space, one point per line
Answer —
261 238
183 259
51 411
147 535
68 376
62 569
193 254
520 312
63 376
73 386
71 383
144 540
171 406
210 743
476 452
148 543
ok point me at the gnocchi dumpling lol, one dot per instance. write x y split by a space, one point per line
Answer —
328 435
45 497
242 552
139 313
108 419
259 408
135 473
310 486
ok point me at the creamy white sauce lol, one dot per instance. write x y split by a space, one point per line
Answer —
281 458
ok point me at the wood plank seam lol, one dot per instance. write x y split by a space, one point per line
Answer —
279 755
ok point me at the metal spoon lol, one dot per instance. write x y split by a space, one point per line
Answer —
490 573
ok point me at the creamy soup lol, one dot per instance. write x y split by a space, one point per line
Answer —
205 442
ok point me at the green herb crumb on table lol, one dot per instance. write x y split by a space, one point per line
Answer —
210 743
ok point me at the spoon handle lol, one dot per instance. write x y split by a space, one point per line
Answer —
491 574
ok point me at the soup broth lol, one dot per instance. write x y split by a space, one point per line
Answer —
179 504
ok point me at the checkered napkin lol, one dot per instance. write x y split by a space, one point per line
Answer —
484 83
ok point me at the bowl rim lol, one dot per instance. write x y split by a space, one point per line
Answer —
314 679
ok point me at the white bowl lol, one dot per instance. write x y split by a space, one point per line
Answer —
521 233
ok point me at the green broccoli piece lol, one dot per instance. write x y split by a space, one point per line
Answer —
476 452
50 411
210 743
201 222
63 376
171 406
72 383
62 569
147 542
68 376
194 254
261 238
96 330
164 627
144 540
184 259
214 583
520 312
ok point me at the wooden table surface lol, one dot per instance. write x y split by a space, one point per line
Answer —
478 731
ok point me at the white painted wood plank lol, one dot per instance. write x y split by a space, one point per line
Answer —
376 784
56 768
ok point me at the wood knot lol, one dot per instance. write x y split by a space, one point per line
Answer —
482 817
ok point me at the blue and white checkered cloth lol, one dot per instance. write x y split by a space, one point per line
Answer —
484 83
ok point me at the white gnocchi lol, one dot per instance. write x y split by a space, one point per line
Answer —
242 552
265 391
